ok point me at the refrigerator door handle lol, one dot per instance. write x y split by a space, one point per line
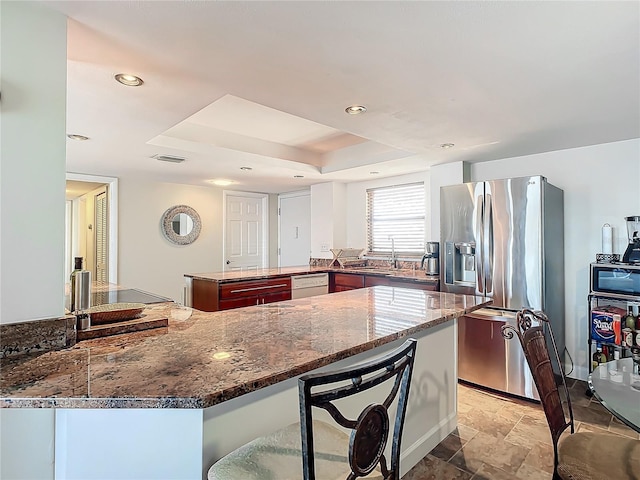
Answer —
479 234
487 252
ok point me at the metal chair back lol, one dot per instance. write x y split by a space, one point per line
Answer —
370 431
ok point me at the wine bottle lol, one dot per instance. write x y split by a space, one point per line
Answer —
630 320
74 274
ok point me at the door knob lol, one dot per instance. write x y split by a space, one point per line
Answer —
228 262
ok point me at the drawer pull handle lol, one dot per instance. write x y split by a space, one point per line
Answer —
240 290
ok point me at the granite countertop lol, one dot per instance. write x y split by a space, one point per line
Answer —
202 359
415 275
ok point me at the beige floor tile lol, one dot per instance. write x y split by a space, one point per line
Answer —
530 431
616 426
499 436
540 458
487 472
493 451
594 414
587 427
448 447
465 433
487 422
528 472
432 468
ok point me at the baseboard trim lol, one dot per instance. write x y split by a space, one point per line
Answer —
412 454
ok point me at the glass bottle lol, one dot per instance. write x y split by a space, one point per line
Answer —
630 320
598 357
76 269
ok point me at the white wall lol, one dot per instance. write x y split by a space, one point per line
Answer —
356 205
601 185
147 260
328 218
34 70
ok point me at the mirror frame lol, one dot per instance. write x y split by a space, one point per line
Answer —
167 227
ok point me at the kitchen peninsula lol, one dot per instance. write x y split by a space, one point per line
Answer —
166 403
235 288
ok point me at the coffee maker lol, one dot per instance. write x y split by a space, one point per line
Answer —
632 254
431 258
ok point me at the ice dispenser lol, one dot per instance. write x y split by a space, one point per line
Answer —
460 263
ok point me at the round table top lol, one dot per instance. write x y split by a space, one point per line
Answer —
618 388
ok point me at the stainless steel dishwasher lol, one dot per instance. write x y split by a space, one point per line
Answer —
309 285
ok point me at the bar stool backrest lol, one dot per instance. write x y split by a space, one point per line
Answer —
370 431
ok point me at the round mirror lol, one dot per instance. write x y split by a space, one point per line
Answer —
181 224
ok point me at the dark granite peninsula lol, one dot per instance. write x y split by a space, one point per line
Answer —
168 402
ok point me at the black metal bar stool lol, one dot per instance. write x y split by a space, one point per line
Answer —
314 449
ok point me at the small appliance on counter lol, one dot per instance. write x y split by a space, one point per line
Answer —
431 259
632 254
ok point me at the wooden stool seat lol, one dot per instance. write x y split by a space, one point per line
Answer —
278 456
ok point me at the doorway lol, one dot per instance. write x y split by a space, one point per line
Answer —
245 233
294 215
91 225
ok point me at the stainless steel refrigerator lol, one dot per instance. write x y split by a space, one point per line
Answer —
503 239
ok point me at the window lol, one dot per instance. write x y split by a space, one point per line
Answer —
396 213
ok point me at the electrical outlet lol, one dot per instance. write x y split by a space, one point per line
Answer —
324 247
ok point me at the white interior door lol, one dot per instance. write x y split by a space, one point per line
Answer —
295 229
245 236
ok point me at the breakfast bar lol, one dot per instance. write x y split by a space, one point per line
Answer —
168 402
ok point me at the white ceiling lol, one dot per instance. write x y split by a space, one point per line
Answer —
265 84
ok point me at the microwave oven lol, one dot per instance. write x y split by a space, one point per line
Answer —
616 280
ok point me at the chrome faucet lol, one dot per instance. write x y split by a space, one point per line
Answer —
393 261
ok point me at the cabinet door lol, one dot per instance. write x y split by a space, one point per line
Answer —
481 352
373 280
254 288
433 287
348 280
275 297
238 302
204 295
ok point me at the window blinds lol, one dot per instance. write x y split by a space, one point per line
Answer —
396 212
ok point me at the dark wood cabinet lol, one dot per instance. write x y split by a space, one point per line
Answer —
212 296
340 282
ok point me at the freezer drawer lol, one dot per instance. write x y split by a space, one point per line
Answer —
487 359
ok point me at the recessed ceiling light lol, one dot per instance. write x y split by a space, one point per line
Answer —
221 182
447 145
298 176
374 173
355 109
75 136
129 80
246 168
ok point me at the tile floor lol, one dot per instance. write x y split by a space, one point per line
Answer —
501 438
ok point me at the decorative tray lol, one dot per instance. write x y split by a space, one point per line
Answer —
115 312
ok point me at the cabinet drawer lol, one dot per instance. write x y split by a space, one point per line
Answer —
254 300
433 287
348 280
372 281
253 288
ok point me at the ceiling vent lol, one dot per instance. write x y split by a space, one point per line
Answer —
168 158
